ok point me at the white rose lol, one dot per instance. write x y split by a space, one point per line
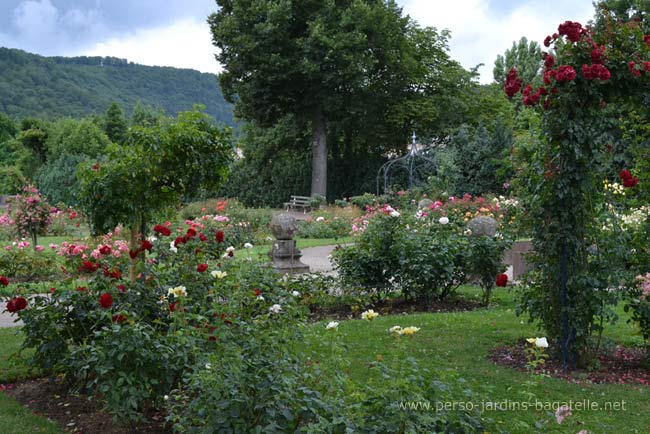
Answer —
443 220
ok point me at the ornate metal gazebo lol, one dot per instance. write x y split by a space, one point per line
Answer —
414 168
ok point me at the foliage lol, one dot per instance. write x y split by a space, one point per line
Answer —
485 261
161 164
11 180
274 69
480 158
58 179
51 87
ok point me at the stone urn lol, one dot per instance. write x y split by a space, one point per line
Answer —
483 225
425 204
283 226
285 255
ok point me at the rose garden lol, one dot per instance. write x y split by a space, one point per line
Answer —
150 306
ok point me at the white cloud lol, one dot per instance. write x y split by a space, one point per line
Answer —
184 44
479 32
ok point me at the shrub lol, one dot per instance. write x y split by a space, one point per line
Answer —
26 263
32 213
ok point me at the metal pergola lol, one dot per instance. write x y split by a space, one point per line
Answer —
417 166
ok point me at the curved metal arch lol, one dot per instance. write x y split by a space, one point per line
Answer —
413 162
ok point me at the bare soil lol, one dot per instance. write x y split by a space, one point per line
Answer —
76 413
621 365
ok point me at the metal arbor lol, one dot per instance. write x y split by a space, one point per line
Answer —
413 167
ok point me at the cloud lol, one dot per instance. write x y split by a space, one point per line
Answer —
39 26
186 43
481 30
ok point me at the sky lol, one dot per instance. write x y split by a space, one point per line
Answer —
175 32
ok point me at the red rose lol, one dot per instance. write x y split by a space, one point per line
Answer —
572 30
134 253
146 245
121 288
4 281
162 230
201 268
565 73
219 237
113 274
202 237
89 266
257 292
630 182
105 250
82 289
549 61
16 304
547 41
172 306
191 233
502 280
513 83
646 39
597 53
631 65
95 166
179 240
106 301
119 318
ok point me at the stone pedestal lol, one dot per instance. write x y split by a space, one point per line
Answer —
285 255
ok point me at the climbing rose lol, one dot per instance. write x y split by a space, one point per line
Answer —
565 73
513 83
162 230
549 61
502 280
572 30
106 300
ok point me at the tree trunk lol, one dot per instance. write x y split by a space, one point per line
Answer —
319 153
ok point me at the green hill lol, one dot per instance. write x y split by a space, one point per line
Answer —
52 87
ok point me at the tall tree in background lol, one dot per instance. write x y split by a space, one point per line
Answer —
321 61
525 56
115 127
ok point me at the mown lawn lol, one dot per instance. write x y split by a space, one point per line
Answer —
453 346
457 345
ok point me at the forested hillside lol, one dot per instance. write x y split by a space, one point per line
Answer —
52 87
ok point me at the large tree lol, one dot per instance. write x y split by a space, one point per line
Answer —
321 61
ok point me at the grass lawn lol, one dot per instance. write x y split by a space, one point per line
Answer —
453 346
457 345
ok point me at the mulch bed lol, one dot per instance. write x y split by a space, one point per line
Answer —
394 306
621 366
74 413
